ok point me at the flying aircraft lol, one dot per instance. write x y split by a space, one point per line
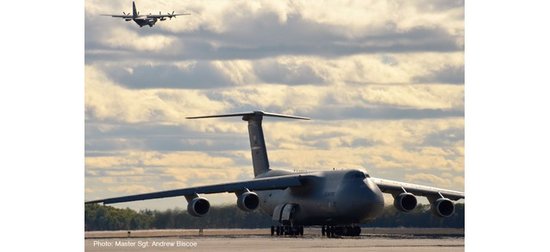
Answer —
336 200
143 20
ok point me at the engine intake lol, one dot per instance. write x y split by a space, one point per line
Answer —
248 201
443 207
198 206
405 202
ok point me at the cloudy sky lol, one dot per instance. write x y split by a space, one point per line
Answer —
382 80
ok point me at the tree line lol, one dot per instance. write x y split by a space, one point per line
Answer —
98 217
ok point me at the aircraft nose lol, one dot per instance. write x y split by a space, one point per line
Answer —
361 198
374 198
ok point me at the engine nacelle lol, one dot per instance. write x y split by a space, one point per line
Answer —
248 201
443 207
198 206
405 202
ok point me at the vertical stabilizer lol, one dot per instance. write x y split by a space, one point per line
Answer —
260 161
134 10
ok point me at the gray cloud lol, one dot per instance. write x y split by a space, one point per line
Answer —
204 75
439 6
201 75
447 74
444 138
273 72
381 113
157 137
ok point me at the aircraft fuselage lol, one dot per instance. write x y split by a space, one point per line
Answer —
327 198
143 21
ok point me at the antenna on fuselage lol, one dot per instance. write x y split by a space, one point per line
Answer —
260 161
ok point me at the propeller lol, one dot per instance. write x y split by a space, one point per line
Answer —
161 18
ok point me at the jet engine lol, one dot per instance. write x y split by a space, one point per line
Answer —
405 202
248 201
443 207
198 206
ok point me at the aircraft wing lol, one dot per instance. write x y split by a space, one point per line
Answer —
260 184
390 186
118 16
166 15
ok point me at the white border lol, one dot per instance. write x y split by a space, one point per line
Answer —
42 129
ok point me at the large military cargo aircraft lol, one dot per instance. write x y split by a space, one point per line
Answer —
336 200
143 20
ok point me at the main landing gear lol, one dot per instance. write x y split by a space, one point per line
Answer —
287 230
335 231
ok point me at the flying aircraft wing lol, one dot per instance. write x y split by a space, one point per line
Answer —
166 15
390 186
118 16
259 184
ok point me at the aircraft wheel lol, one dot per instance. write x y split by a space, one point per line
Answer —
357 231
323 230
301 230
336 231
278 230
272 230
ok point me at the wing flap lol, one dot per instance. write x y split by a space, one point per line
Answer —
391 186
260 184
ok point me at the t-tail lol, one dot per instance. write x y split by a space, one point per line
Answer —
135 13
260 161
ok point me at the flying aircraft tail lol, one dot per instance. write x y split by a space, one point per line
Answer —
134 10
260 161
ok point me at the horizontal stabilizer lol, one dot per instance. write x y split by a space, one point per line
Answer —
254 113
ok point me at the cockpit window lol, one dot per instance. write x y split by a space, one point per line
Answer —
356 175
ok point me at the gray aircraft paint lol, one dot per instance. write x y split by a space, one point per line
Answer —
327 198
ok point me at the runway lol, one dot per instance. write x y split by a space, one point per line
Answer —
243 240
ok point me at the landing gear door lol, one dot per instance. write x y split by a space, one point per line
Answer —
287 215
284 213
277 213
